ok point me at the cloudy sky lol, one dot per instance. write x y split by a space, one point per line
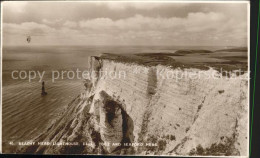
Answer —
125 23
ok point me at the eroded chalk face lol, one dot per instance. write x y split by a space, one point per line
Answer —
115 125
95 66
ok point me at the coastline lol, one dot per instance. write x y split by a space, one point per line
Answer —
88 124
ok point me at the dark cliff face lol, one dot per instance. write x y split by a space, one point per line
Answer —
173 117
117 125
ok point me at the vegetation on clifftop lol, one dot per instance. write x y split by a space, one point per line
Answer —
187 59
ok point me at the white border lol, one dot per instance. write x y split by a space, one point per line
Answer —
144 1
1 79
248 65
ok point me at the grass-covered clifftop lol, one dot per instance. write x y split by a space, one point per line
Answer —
226 59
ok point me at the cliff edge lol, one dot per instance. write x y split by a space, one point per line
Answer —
149 112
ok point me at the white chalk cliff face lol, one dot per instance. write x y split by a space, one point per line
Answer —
185 116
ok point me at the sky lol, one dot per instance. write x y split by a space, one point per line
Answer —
125 23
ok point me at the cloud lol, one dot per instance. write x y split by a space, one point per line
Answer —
52 22
136 5
17 6
27 28
194 22
77 11
129 23
70 24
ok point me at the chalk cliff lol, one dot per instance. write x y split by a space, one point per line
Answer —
159 114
